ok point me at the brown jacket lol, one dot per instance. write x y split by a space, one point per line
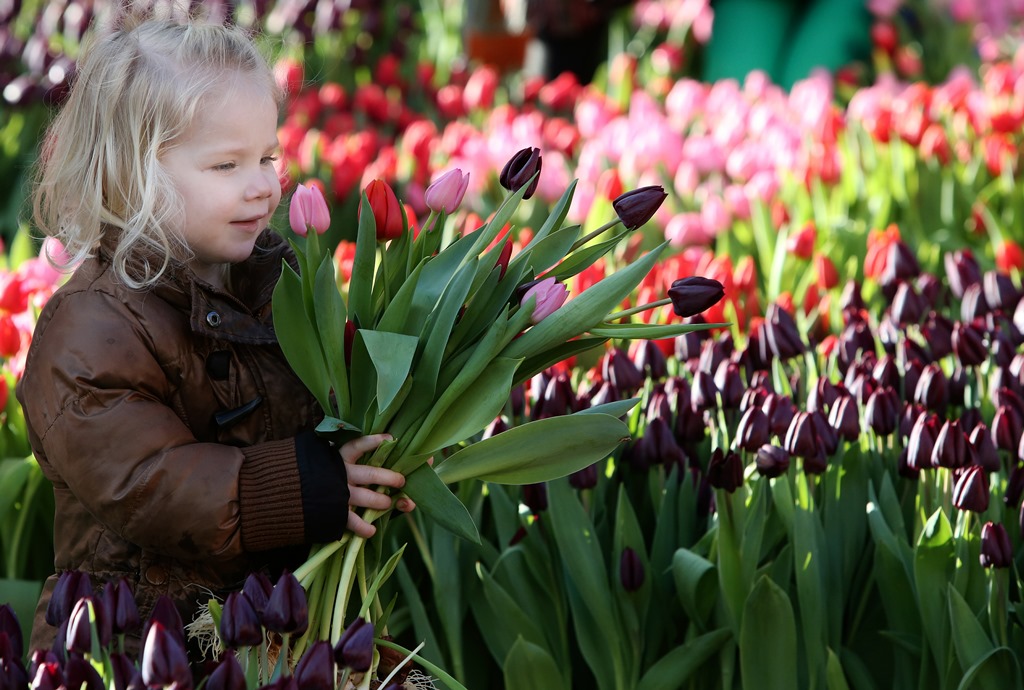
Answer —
175 435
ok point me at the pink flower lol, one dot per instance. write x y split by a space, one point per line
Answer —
549 295
445 193
308 209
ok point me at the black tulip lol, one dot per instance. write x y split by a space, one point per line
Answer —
535 497
932 390
1014 486
631 570
695 294
771 461
258 588
780 410
354 649
239 622
996 550
49 676
650 360
783 337
619 369
1000 292
127 675
638 206
81 675
725 470
80 627
315 670
166 613
164 661
952 449
754 429
970 490
10 625
520 170
962 271
900 265
922 442
907 305
985 453
663 447
1007 428
287 611
688 345
882 411
585 478
844 418
71 586
703 392
227 676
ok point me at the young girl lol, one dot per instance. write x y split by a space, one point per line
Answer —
158 402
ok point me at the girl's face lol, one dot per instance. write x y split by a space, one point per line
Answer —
223 168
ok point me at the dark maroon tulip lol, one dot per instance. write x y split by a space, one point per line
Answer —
957 386
163 659
649 359
535 497
828 439
912 371
771 461
520 169
12 671
127 675
693 295
703 392
9 624
996 550
81 675
781 334
985 453
725 470
908 417
905 470
80 626
952 449
932 390
167 614
497 426
970 417
754 396
821 397
689 427
585 478
850 298
125 614
855 340
714 351
930 289
844 418
287 610
1000 292
938 334
780 410
754 429
922 442
962 271
1002 349
283 682
631 570
900 265
40 657
605 393
688 345
973 304
1018 317
638 206
617 367
71 586
1007 428
503 258
729 384
49 676
817 463
517 401
970 489
227 676
658 404
354 649
907 306
258 588
1014 486
882 411
239 622
660 445
315 670
557 398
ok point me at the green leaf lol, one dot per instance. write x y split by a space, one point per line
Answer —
360 287
537 363
768 638
554 220
552 249
396 314
809 565
975 650
834 677
1000 664
298 338
433 668
382 576
392 355
538 451
515 621
437 502
530 666
616 408
338 430
696 583
330 323
585 257
676 667
934 561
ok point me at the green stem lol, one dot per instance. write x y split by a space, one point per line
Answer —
304 571
637 309
591 235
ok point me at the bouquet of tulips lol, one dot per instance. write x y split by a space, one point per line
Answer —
431 338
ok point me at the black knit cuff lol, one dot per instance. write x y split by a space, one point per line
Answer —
324 486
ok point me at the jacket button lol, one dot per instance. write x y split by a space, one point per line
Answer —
213 318
156 575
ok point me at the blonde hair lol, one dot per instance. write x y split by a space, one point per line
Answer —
137 89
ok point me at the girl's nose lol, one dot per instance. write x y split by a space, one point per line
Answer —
260 187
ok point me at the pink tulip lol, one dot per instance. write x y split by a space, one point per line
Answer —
308 209
445 193
549 294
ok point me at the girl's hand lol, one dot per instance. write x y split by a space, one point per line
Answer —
362 476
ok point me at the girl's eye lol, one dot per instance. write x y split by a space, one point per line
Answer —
268 160
224 166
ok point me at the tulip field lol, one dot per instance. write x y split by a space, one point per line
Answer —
725 378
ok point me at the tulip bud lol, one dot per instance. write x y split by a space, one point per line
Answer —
650 360
688 345
71 586
1014 486
962 271
10 626
968 344
729 384
725 470
996 550
844 418
48 677
227 676
703 392
548 295
932 390
80 626
689 426
922 442
585 478
900 265
286 610
638 206
880 413
445 194
503 258
780 410
952 449
973 305
907 305
938 333
1000 292
520 169
258 588
1007 428
315 670
239 622
164 661
81 675
783 337
985 453
970 490
535 497
771 461
631 570
308 209
354 649
693 295
618 368
754 429
387 212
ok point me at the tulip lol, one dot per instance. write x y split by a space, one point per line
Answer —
71 586
126 674
973 304
286 610
354 649
782 336
445 193
932 390
167 614
649 359
880 412
828 439
503 258
636 207
985 453
535 497
549 295
1000 292
907 306
308 209
688 345
163 659
1007 428
780 410
49 677
80 627
227 676
258 588
962 271
520 169
725 470
585 478
801 437
619 370
239 622
1014 486
387 212
771 461
9 624
754 429
703 392
996 550
315 670
81 675
844 418
970 490
922 442
729 384
662 445
695 294
631 570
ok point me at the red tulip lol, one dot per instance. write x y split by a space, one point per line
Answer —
387 212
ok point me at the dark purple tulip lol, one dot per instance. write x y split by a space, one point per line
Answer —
1007 428
557 399
904 470
239 622
638 206
617 367
517 400
850 298
855 341
649 359
729 384
970 417
715 351
962 271
703 392
908 417
932 390
535 497
124 614
952 449
658 404
127 675
167 614
828 439
163 659
922 442
258 588
1014 486
688 345
658 445
49 677
631 570
817 463
973 305
227 676
689 427
907 306
900 265
80 626
881 412
912 371
585 478
783 337
12 672
287 611
970 490
754 429
780 410
957 386
520 169
996 550
9 624
1003 349
844 418
938 333
605 393
725 470
283 682
693 295
497 426
821 397
985 453
71 586
315 670
754 396
771 461
930 288
354 649
1000 292
81 675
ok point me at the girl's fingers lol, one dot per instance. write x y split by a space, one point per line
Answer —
406 505
356 448
365 475
361 497
359 526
